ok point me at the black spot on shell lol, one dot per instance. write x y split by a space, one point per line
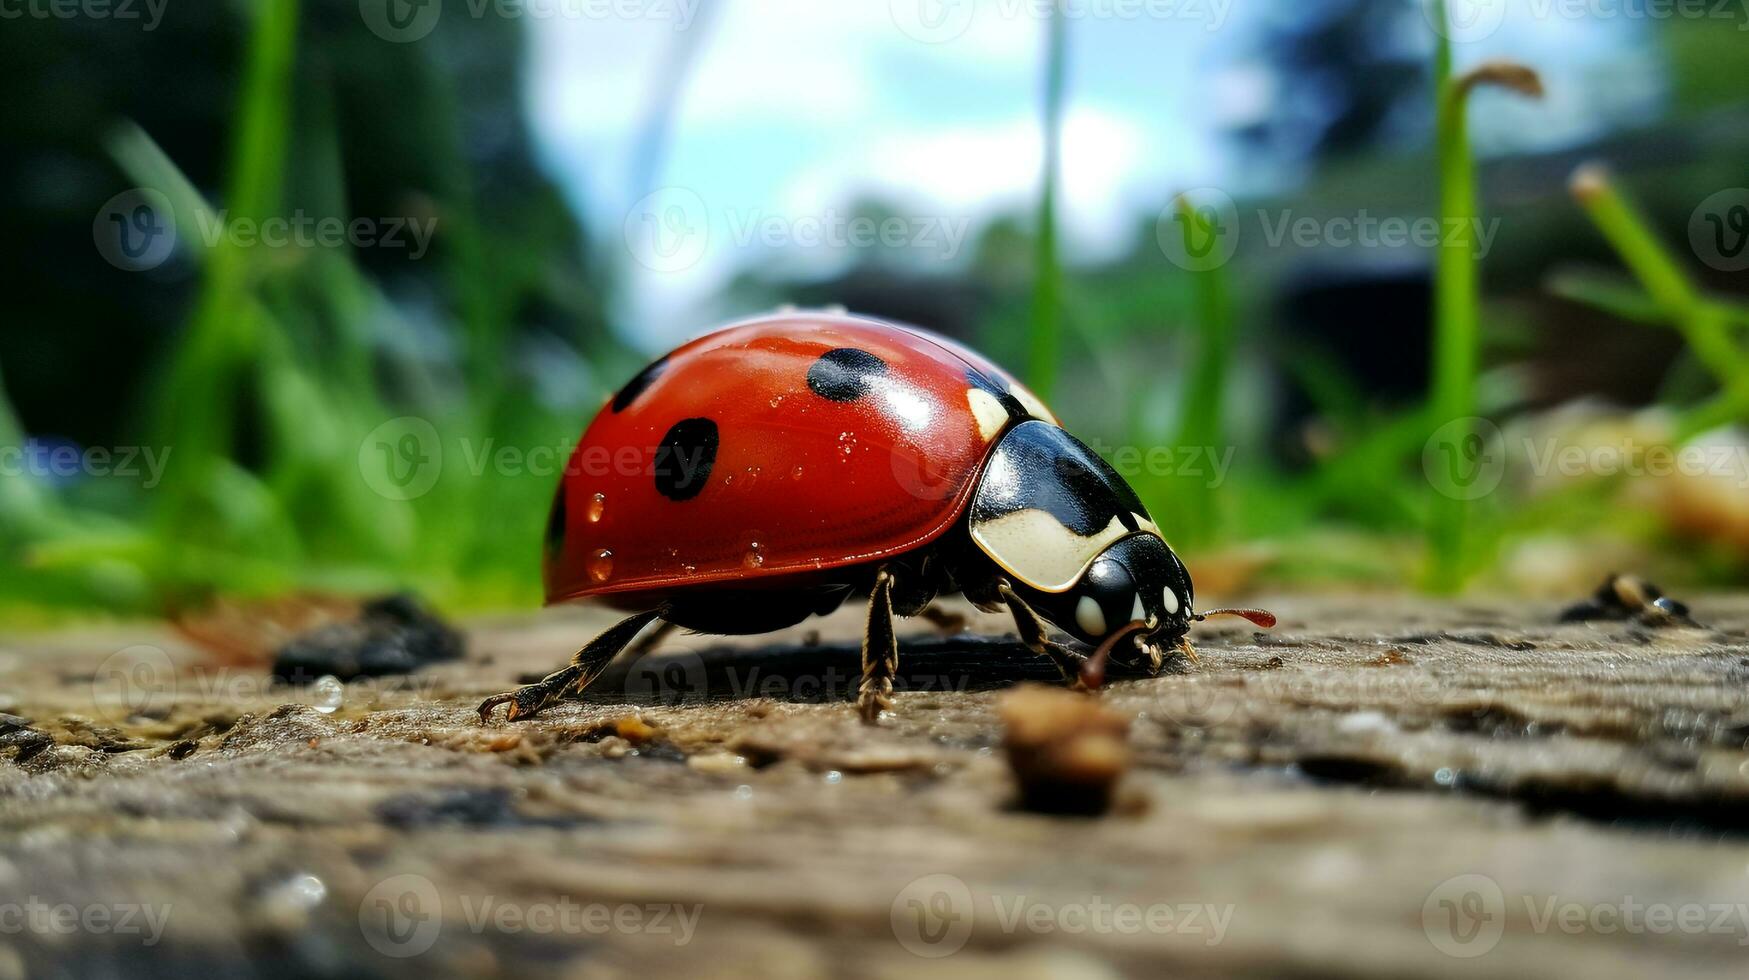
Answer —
997 389
845 374
635 387
556 521
685 457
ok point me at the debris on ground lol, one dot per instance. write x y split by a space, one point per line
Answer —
16 733
392 635
1067 751
1625 597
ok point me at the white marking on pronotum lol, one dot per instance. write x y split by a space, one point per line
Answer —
1138 614
988 411
1029 401
1090 617
1171 599
1037 549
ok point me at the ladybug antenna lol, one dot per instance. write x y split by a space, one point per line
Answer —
1258 617
1093 668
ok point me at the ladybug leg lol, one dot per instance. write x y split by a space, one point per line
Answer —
584 667
880 652
651 640
1033 633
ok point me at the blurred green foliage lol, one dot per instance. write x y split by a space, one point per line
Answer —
290 392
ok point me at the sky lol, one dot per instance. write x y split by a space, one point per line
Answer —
796 109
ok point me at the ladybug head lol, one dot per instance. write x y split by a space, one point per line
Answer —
1135 599
1072 537
1137 585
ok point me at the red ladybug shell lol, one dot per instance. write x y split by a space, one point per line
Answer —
780 446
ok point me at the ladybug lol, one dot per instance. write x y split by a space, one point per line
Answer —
771 470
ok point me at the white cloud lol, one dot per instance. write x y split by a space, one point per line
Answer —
978 172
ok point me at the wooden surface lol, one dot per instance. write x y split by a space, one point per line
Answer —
1378 788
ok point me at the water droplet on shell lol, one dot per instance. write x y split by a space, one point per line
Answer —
600 566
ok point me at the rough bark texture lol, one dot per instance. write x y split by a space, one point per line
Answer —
1371 788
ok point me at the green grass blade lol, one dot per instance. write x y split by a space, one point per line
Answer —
1046 327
